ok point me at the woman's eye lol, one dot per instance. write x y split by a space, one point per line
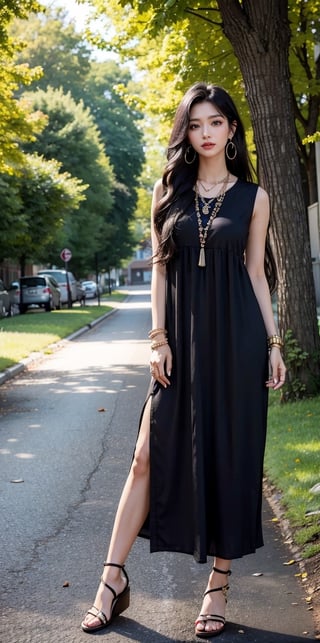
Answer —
193 126
215 123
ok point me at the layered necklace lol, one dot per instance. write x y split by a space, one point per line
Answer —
211 184
203 230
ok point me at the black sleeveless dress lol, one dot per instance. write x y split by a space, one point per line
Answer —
207 434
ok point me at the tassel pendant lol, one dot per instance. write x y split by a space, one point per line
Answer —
202 258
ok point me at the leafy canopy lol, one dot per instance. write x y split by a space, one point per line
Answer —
52 42
37 201
188 44
72 137
17 123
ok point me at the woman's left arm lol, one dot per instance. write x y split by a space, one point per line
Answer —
255 252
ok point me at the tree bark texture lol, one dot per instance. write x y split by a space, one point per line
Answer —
260 35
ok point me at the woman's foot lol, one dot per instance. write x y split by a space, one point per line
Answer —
104 600
211 620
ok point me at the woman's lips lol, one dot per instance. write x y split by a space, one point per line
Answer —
207 146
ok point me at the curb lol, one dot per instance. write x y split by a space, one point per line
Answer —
12 371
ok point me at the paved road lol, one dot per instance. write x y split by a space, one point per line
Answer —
67 429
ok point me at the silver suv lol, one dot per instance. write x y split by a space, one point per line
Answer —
61 277
39 290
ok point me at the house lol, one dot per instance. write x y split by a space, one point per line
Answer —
139 268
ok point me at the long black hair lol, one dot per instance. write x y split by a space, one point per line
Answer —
179 177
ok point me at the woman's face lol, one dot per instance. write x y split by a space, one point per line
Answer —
208 130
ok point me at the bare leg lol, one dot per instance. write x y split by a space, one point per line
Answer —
214 603
131 513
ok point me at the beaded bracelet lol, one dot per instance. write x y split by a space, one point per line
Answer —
155 345
156 331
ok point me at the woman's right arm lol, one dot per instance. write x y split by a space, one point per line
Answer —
161 358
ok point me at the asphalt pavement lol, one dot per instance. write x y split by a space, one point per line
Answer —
68 426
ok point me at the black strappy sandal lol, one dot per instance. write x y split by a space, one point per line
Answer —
119 604
204 618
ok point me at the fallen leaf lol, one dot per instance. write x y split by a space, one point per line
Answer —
101 410
290 562
240 631
308 599
66 583
17 481
257 574
274 519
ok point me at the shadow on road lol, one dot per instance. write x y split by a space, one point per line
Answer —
131 630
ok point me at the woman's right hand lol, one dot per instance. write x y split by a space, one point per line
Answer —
161 364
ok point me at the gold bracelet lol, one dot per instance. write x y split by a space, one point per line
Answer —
155 345
156 331
275 340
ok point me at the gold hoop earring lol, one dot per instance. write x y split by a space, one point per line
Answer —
231 150
187 160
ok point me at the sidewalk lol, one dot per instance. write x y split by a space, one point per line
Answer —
15 370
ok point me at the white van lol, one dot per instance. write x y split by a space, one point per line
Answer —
61 277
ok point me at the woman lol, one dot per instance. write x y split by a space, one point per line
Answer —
202 430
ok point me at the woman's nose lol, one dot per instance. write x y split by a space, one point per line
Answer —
205 132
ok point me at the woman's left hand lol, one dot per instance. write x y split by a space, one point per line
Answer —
277 368
161 364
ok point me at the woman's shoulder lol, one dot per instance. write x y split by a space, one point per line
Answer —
254 189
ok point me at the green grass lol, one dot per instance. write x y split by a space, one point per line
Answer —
292 465
22 335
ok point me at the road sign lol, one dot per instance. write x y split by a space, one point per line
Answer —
66 254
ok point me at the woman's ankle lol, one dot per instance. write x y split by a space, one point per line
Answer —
219 575
112 573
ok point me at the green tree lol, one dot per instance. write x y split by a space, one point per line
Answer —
11 219
72 138
17 123
43 198
118 124
250 42
53 43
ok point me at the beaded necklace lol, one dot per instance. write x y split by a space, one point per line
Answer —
203 230
206 205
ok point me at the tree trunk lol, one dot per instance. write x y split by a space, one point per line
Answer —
312 175
23 261
259 33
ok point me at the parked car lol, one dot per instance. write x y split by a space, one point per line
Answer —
91 289
5 303
14 294
39 290
61 277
